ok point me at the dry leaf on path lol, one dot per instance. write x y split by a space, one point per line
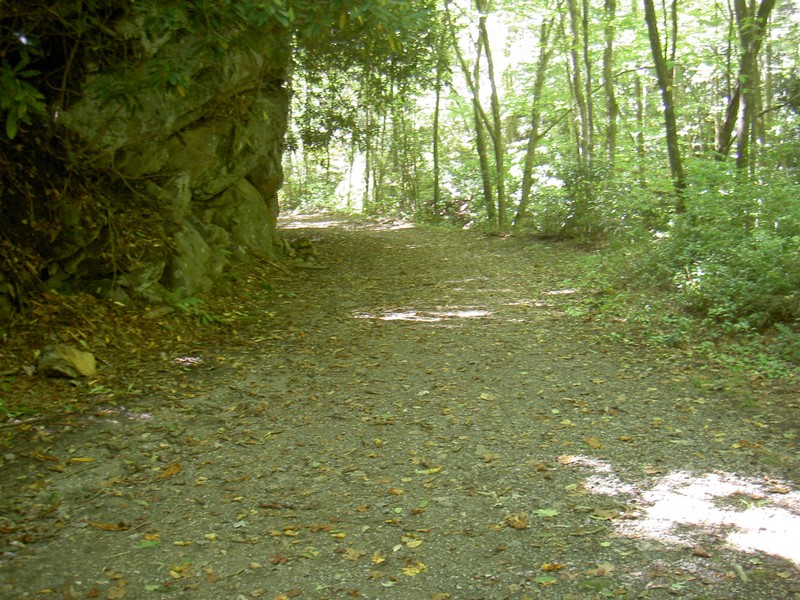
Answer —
169 471
593 443
517 520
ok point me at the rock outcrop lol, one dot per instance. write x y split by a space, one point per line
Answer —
196 167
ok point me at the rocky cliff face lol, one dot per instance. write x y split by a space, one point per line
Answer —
195 167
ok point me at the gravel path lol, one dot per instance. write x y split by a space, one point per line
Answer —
429 416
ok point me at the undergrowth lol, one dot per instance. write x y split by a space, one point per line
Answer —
721 281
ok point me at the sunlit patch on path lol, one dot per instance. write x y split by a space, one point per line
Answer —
677 508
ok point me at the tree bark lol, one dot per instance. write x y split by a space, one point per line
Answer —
478 116
545 52
739 114
495 132
664 77
752 29
437 184
612 108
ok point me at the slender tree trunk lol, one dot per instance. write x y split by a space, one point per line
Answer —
580 85
664 77
365 202
640 103
545 52
752 29
608 84
480 120
638 138
579 98
751 26
437 176
587 63
496 131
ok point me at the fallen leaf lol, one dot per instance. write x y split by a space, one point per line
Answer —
552 566
602 570
377 558
278 559
396 491
430 471
77 459
593 443
182 571
413 568
170 470
604 514
517 520
352 554
653 470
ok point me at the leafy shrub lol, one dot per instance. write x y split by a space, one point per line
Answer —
734 256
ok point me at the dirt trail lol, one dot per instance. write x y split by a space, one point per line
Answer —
427 417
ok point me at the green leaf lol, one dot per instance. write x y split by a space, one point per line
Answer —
11 125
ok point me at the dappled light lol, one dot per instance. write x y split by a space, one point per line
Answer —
679 508
313 220
309 222
426 316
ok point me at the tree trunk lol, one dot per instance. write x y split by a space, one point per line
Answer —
752 29
480 120
580 87
437 168
496 131
545 52
664 77
742 106
582 116
612 107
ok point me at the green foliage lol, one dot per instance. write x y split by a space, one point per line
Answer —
19 100
733 256
190 305
722 279
44 47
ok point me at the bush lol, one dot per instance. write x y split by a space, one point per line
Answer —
734 256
